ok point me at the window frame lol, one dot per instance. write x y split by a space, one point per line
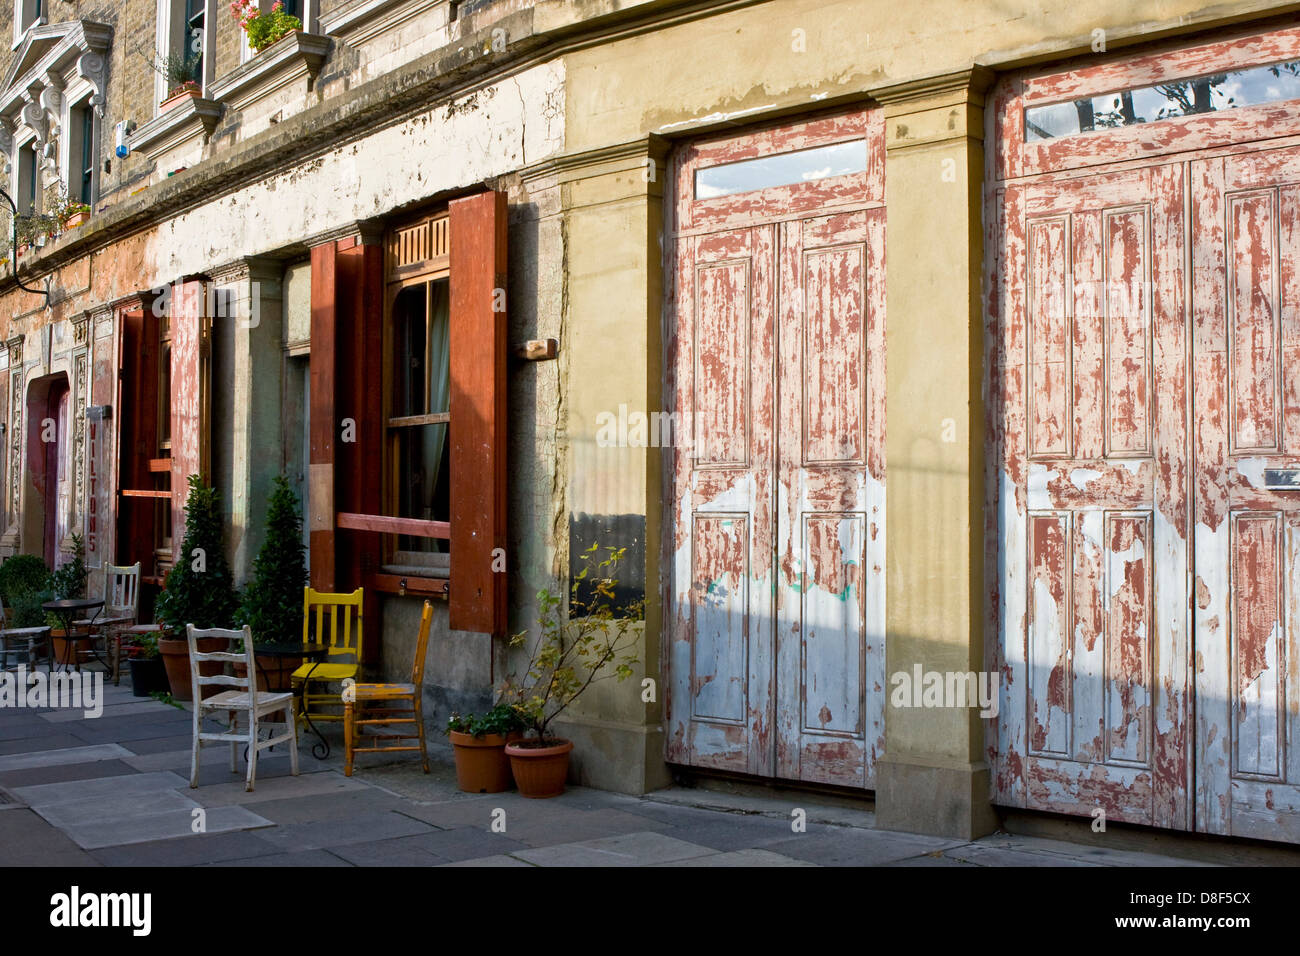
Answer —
28 14
397 278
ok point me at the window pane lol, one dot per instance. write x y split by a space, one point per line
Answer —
87 152
805 165
1149 104
410 318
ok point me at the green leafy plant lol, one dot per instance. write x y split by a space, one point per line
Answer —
198 589
35 228
25 609
142 645
165 697
178 68
502 719
594 643
69 579
272 603
23 573
263 29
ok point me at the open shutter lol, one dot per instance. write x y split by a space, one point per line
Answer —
137 438
477 239
189 397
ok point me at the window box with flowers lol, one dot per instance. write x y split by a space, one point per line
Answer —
277 81
263 29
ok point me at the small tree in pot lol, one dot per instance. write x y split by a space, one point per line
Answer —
594 643
68 583
272 603
198 589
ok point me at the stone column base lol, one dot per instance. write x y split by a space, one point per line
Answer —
949 801
625 758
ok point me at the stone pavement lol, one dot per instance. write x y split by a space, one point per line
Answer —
114 791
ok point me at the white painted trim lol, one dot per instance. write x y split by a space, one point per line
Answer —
363 19
20 31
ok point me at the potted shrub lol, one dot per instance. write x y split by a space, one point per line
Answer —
197 590
271 605
568 657
479 744
68 582
263 29
148 675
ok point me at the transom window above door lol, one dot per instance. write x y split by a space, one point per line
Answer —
1213 93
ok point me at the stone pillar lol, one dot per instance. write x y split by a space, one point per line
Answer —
11 542
613 214
934 777
246 320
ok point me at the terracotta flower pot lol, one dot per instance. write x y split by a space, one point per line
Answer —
176 659
66 649
481 762
76 219
540 771
273 673
170 104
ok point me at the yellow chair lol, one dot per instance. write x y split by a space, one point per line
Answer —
338 625
383 705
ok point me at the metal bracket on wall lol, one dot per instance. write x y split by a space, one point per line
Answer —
538 350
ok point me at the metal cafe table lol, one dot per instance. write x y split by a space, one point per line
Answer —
315 653
68 610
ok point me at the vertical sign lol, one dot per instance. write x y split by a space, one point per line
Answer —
94 519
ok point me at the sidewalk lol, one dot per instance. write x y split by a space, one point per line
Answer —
114 791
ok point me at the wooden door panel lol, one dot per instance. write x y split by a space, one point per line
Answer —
1247 346
830 623
719 706
1093 536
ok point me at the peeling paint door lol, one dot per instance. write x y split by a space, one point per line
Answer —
776 649
1247 391
1093 523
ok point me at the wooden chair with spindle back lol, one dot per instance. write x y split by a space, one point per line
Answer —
369 706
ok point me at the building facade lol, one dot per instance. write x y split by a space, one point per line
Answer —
493 281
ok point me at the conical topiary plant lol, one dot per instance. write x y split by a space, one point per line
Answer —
198 589
272 602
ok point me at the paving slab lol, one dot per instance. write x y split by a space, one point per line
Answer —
64 772
153 745
363 827
160 826
847 846
403 851
309 858
752 857
105 788
27 840
304 788
1001 856
467 843
192 850
51 758
118 709
57 740
490 861
89 812
628 849
325 802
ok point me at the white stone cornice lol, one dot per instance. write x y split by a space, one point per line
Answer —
52 51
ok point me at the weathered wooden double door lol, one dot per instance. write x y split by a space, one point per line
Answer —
776 635
1146 418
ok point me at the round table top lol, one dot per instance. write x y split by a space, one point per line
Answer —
72 604
291 649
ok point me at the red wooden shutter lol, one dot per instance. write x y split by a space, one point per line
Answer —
189 397
137 438
477 238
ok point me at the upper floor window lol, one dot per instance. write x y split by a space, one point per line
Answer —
27 170
81 152
183 40
27 14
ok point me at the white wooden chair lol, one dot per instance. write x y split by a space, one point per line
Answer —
121 610
21 645
245 698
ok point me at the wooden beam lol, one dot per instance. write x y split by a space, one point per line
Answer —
322 416
415 527
406 584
